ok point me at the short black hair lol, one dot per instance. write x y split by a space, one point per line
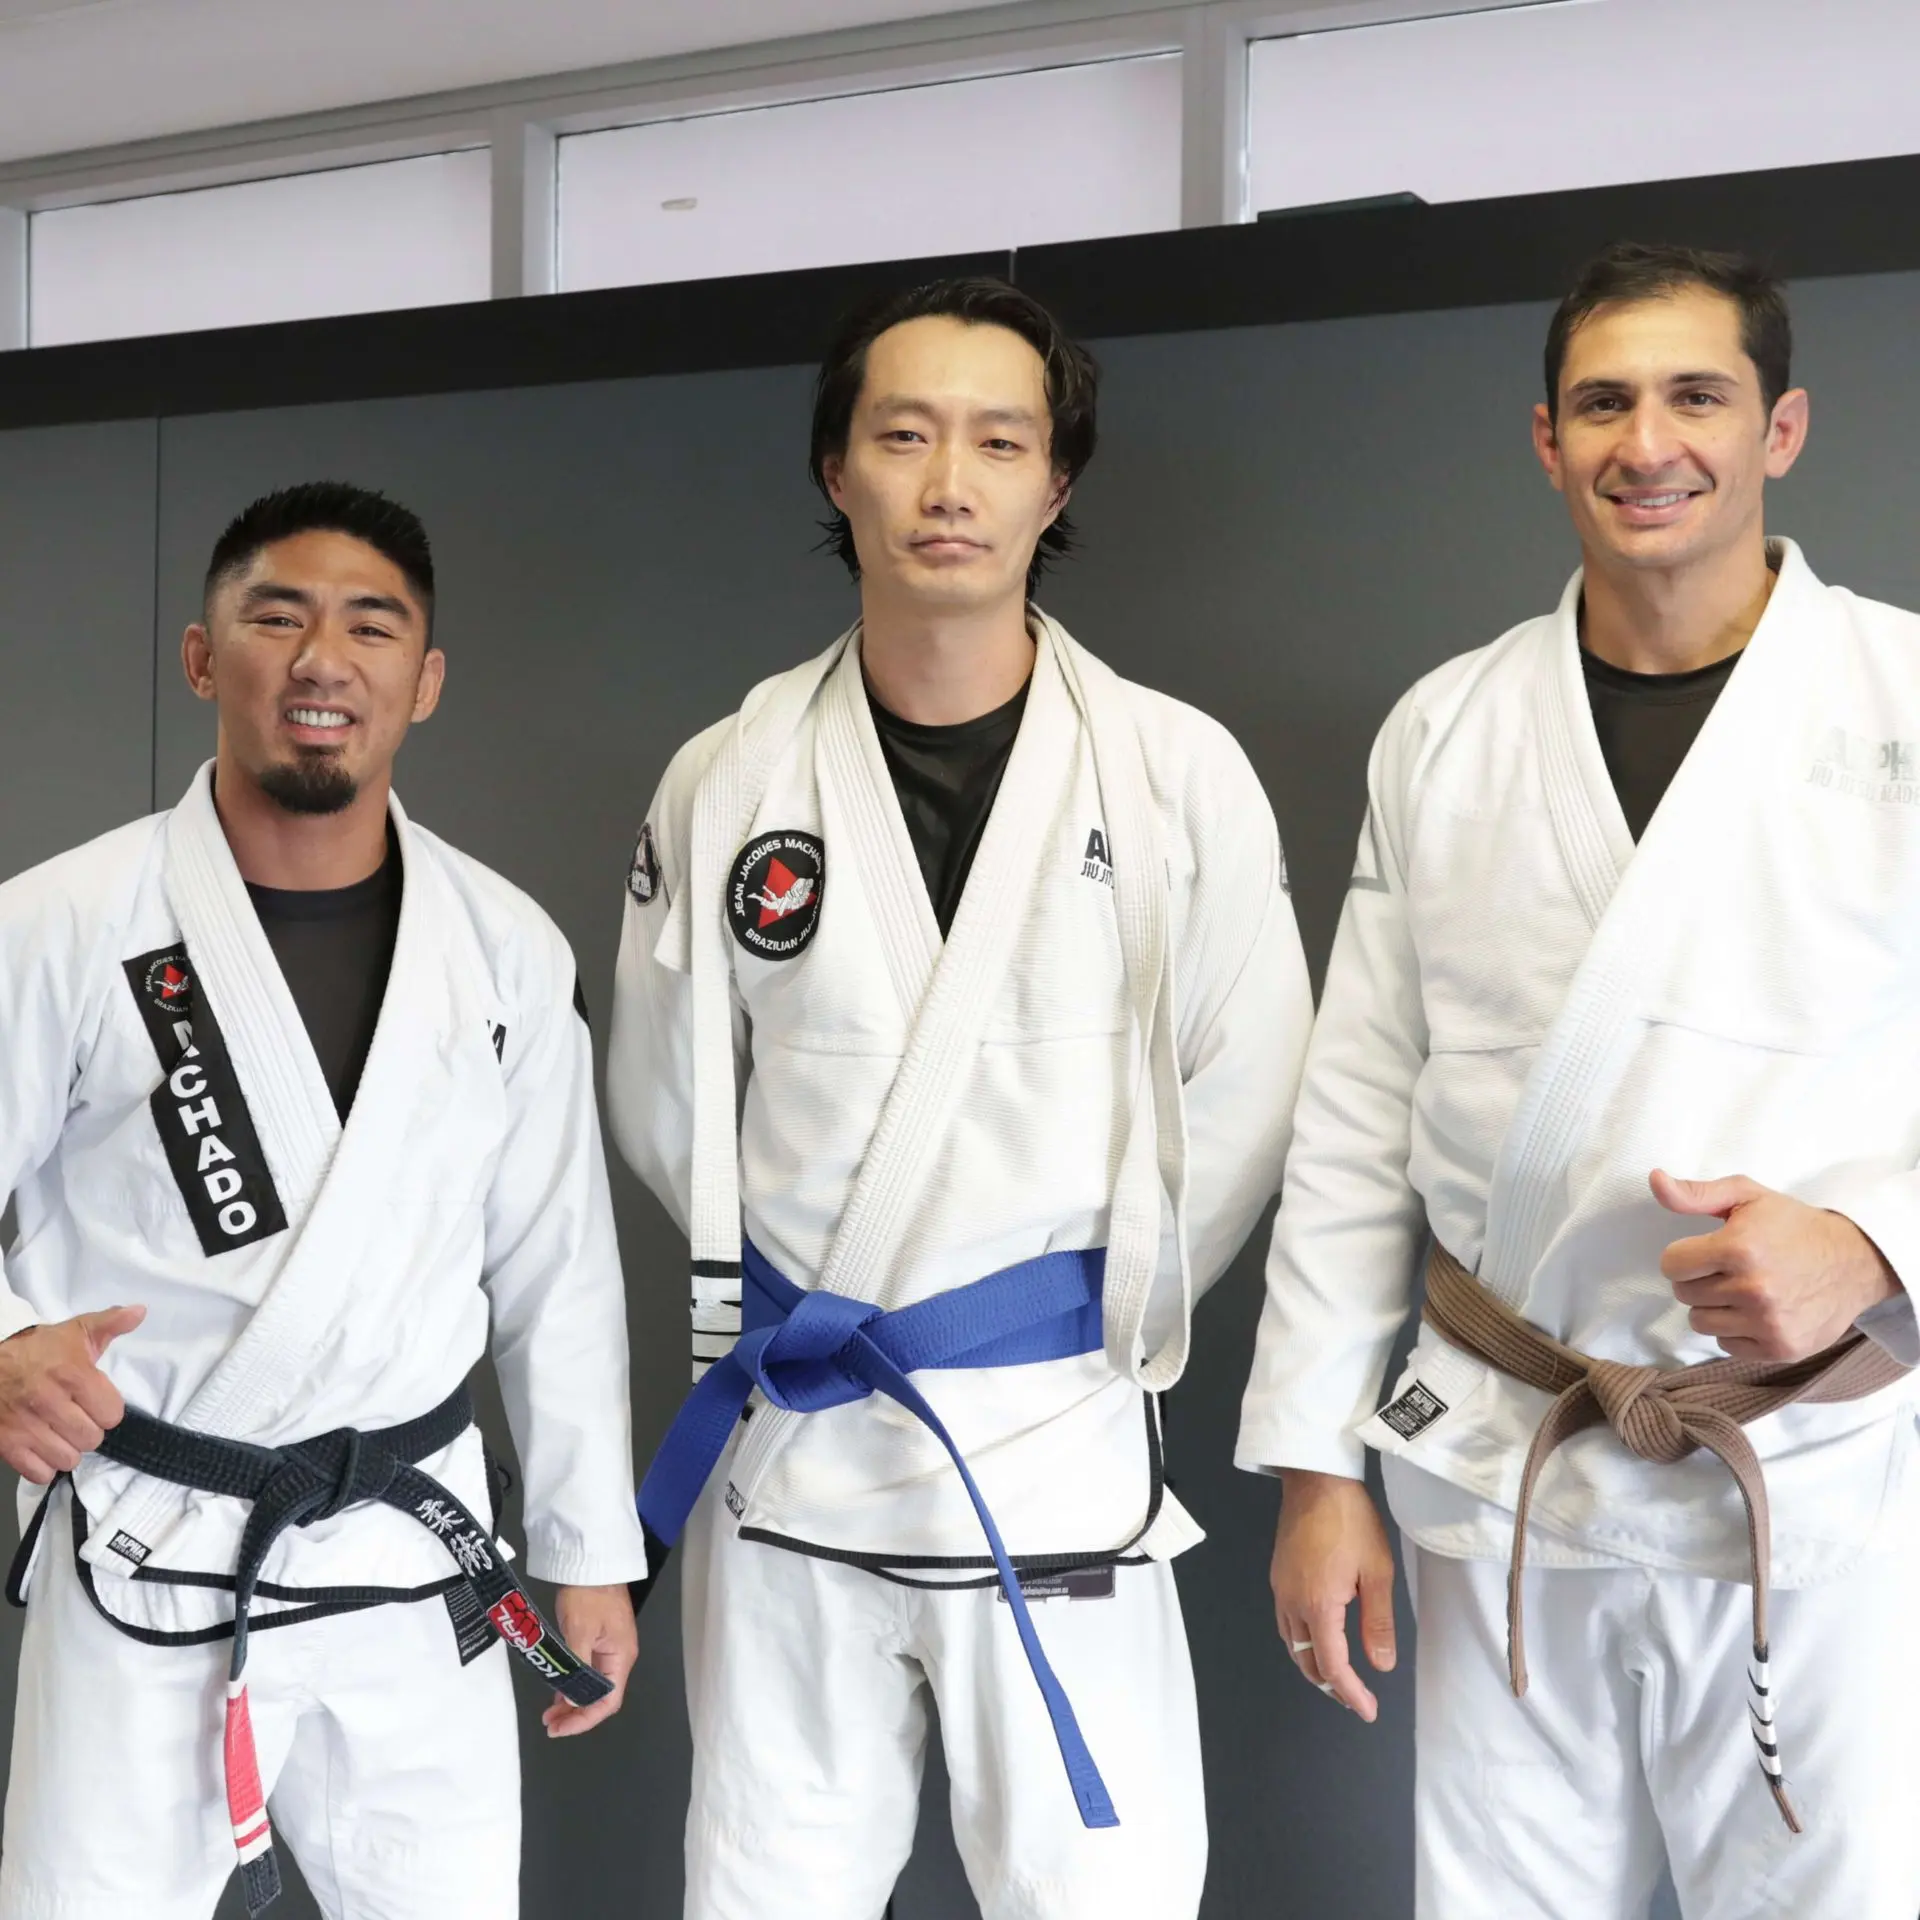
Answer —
1073 388
327 506
1631 270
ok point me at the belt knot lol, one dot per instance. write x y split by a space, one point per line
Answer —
1639 1409
807 1362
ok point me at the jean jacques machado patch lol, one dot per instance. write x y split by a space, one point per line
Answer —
774 893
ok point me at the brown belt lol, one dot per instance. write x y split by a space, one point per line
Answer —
1661 1414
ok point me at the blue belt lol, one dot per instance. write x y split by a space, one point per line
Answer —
807 1351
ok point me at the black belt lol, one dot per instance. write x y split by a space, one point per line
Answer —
293 1486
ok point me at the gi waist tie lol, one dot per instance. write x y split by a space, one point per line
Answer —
293 1486
1662 1415
807 1351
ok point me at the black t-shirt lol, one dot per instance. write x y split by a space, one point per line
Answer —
946 779
1646 723
335 946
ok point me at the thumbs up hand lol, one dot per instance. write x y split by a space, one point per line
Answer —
1776 1279
55 1403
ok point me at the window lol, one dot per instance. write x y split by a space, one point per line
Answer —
403 233
1064 154
1580 93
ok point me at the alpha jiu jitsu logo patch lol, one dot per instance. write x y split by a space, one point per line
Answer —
1414 1412
1097 863
774 892
643 871
199 1111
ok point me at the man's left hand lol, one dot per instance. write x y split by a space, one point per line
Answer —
1778 1280
598 1624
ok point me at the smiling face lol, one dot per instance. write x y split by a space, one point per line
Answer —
948 479
1663 442
317 655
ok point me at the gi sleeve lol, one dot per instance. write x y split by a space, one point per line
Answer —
45 970
1244 1021
1887 1211
559 1306
1350 1226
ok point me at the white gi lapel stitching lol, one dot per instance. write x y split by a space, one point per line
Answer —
1567 1072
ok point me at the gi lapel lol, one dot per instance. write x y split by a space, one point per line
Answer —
1644 915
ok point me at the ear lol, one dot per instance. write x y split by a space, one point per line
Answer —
1546 444
1787 432
433 676
832 476
1062 493
196 661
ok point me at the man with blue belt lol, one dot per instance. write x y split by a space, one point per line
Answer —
959 1014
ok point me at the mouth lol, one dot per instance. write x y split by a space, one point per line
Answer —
1651 506
317 726
948 547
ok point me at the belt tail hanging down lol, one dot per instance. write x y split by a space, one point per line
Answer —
294 1486
808 1351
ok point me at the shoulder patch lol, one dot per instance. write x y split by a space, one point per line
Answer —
774 893
643 871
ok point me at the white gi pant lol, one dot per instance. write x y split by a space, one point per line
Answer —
808 1683
1632 1744
392 1772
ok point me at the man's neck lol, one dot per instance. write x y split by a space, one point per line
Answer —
299 852
1675 622
940 668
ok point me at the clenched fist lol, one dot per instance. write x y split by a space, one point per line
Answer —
55 1403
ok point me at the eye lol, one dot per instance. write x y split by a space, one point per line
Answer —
276 620
1004 446
1603 403
1702 398
900 435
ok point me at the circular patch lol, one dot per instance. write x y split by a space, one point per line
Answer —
168 984
773 893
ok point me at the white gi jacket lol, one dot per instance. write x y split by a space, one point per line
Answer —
917 1115
1525 1014
467 1185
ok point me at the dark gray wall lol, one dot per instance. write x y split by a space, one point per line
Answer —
1284 526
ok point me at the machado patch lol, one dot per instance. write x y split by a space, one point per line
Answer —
643 873
1414 1412
202 1117
774 892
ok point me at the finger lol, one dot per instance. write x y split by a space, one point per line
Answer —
1336 1670
1376 1618
97 1397
563 1719
1717 1290
1698 1257
1722 1323
1703 1196
26 1462
69 1420
1299 1644
43 1441
106 1326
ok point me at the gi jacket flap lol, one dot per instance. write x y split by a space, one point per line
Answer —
332 1180
1644 920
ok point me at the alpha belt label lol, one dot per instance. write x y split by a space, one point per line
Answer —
202 1117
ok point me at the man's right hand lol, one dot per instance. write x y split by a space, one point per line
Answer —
1329 1548
55 1403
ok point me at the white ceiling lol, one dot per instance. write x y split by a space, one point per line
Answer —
88 73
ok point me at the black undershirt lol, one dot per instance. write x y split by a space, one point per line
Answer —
945 779
1646 723
335 946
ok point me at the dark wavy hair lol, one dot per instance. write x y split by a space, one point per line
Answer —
1073 389
327 506
1629 270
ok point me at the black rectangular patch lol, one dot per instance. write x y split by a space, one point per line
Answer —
1077 1583
201 1114
1414 1412
473 1632
128 1548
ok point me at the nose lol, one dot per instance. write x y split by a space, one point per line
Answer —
323 661
946 491
1647 442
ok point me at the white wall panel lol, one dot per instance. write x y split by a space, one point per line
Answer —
1596 93
405 233
1070 153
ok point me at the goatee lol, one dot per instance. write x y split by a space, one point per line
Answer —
313 783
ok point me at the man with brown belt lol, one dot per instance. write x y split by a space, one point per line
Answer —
1635 900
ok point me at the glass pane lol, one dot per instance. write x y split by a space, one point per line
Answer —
405 233
1593 93
1065 154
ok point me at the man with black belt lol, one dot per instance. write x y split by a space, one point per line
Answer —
1623 1011
297 1100
964 971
